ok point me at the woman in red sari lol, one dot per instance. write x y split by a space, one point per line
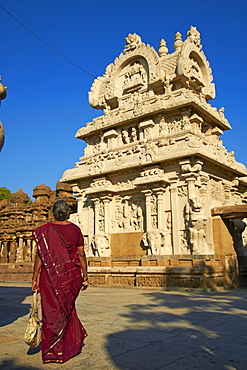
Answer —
62 265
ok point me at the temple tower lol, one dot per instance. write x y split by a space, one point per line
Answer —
153 168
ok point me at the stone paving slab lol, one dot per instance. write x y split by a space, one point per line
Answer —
137 329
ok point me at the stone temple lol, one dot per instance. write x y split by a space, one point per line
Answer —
155 182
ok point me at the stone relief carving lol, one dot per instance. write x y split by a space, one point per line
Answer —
182 191
100 245
154 242
127 217
195 225
133 41
215 189
130 135
101 226
125 185
135 77
175 124
194 36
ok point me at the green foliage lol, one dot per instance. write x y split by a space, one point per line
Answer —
29 202
5 193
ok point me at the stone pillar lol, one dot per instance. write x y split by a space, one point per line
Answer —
175 216
27 254
191 179
227 194
148 194
19 252
106 201
34 250
160 205
4 252
96 215
141 134
12 251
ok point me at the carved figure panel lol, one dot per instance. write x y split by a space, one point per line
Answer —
154 242
128 216
130 135
175 124
195 221
135 76
100 245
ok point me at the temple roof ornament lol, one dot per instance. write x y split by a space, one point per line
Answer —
19 198
133 41
141 69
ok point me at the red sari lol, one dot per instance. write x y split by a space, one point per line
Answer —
60 283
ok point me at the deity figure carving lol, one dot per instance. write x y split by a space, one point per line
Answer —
221 112
195 73
138 105
162 127
133 134
196 222
101 217
136 217
100 245
125 137
154 241
118 218
175 124
128 217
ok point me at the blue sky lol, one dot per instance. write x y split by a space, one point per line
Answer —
47 98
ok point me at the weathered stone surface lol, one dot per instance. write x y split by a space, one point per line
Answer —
238 211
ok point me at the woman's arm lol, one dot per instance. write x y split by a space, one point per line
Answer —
83 263
36 269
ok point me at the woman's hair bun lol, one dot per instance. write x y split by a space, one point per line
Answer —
60 210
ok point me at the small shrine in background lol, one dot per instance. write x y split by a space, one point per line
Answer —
155 173
18 219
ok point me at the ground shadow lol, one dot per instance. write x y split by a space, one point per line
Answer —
183 331
32 351
11 303
13 365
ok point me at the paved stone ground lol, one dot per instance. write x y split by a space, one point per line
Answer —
137 329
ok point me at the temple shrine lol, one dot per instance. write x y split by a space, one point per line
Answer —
155 183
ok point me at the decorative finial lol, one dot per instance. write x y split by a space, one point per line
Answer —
194 36
163 50
178 41
132 42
